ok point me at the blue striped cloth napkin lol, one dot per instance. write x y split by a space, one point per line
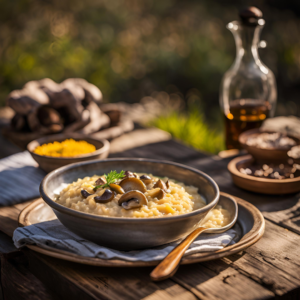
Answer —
20 178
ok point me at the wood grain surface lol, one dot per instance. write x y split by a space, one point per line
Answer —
268 269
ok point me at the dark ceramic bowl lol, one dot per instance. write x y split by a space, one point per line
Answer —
130 233
50 163
265 155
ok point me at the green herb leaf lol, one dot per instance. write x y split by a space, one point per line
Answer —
111 177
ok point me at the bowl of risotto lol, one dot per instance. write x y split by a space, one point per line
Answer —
54 151
130 204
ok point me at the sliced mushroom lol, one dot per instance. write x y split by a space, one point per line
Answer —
156 193
85 193
107 196
130 174
160 184
133 203
132 183
146 179
100 181
133 199
116 188
167 184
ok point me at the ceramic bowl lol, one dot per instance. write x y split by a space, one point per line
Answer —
130 233
257 184
50 163
265 155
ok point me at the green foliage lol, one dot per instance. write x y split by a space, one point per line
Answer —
191 129
131 49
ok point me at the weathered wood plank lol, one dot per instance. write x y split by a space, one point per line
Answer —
9 217
221 282
289 218
273 264
138 138
19 283
77 281
165 150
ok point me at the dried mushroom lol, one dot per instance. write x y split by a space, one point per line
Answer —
132 199
132 183
106 197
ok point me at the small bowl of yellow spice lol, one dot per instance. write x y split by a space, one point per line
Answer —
54 151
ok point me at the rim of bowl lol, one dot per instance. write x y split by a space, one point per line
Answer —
244 135
105 147
232 168
83 215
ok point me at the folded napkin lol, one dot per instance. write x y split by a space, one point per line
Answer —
20 178
53 235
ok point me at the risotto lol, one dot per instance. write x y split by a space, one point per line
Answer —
136 196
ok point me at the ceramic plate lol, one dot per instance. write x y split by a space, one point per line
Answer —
250 225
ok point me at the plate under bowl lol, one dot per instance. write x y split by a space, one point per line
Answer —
249 227
130 233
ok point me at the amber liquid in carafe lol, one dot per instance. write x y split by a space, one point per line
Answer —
244 114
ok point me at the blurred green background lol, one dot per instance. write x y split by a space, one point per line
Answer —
131 49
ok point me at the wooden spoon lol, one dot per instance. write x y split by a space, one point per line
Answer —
168 267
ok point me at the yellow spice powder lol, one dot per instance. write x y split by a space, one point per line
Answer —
66 148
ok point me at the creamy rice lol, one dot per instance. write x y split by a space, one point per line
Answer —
182 199
216 218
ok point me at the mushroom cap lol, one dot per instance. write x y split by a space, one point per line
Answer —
132 183
133 195
116 188
156 193
146 179
106 197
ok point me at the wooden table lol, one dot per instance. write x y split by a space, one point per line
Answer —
267 270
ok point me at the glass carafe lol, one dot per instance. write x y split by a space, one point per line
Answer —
248 91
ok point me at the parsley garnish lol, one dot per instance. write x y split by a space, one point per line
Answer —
111 177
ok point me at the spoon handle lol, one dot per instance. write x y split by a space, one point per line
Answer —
168 267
